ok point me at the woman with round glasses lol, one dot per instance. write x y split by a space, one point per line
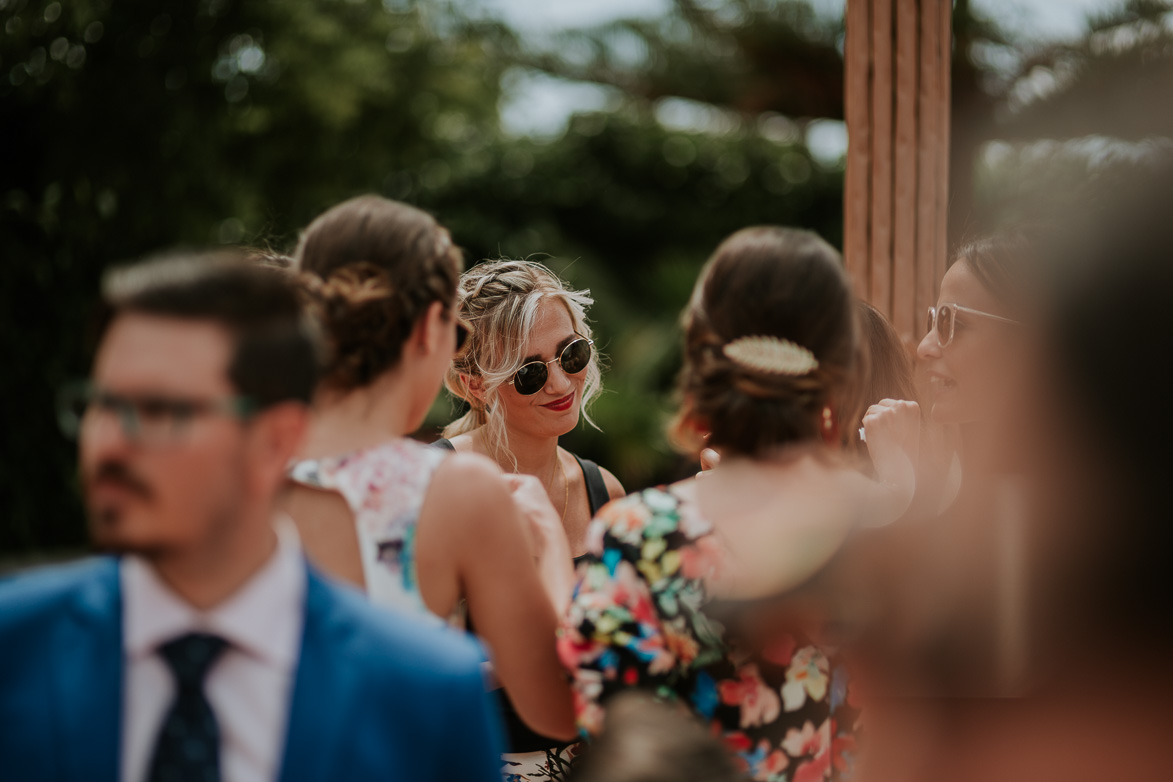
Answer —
419 530
528 373
964 542
970 332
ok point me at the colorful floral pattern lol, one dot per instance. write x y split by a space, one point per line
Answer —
641 617
384 487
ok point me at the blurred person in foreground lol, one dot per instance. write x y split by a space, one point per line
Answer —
529 372
1091 440
419 529
206 649
705 592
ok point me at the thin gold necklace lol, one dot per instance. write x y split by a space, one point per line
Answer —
566 498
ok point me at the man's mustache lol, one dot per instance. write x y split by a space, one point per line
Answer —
118 474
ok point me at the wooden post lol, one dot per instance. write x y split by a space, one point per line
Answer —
897 56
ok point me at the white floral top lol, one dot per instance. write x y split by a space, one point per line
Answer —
385 487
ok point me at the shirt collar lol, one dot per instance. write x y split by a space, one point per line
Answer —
263 618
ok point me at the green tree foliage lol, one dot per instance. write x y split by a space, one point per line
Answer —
630 210
750 56
131 127
127 128
1114 81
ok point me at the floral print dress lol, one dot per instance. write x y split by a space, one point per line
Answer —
642 617
384 486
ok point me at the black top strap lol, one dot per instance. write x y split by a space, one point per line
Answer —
596 487
597 494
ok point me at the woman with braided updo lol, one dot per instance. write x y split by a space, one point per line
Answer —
529 371
706 592
416 528
528 374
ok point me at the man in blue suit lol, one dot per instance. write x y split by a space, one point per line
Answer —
206 649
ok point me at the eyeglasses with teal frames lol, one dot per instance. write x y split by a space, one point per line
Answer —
146 418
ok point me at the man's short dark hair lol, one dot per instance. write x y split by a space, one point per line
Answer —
276 355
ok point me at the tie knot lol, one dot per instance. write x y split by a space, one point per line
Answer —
190 656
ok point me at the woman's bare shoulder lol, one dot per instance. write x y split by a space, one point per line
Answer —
466 471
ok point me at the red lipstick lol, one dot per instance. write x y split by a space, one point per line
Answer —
558 405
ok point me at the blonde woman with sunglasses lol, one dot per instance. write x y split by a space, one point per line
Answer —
528 374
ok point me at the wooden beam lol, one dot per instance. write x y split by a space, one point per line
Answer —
944 101
904 199
880 290
858 109
929 174
896 190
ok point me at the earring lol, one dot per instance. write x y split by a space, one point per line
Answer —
830 427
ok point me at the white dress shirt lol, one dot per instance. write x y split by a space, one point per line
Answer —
249 687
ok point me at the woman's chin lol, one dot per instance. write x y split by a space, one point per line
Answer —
946 410
556 424
571 418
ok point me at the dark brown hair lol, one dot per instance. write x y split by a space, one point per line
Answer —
883 370
764 281
1004 263
371 267
276 353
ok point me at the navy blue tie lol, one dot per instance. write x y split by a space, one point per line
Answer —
188 746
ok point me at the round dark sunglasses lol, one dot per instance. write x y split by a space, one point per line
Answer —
574 358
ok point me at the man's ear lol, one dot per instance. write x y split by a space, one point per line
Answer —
277 437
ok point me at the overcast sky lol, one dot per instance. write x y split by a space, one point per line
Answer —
540 105
1051 18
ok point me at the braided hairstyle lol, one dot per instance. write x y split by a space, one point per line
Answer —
370 267
772 282
499 300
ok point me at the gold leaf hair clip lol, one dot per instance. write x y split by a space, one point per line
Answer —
771 355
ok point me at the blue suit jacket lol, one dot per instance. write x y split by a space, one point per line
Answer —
377 696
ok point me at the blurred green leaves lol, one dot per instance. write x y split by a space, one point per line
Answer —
128 128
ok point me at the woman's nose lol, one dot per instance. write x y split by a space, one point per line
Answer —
928 348
559 382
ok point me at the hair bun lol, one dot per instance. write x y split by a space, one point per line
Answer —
364 318
769 337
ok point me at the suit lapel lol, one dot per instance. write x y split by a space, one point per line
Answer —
324 687
87 678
